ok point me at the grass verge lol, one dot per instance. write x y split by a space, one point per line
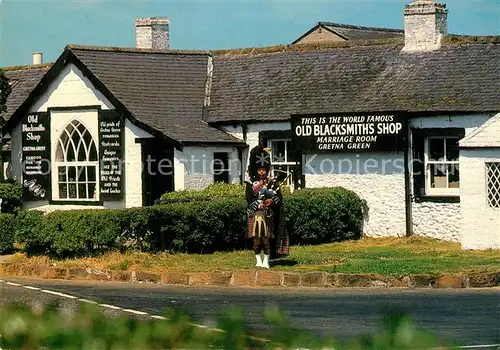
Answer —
386 256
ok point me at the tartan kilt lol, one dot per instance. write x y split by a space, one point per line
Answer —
251 225
275 230
282 239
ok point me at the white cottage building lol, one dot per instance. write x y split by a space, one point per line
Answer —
411 123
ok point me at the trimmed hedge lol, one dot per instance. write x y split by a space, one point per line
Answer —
6 233
312 216
212 191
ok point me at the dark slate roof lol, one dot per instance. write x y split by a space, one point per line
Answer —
461 76
352 32
23 80
163 89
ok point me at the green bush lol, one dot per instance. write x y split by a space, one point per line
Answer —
216 190
311 217
89 328
11 194
6 233
324 215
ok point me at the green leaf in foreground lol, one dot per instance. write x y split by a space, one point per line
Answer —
22 327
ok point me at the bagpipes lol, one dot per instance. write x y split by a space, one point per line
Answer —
267 191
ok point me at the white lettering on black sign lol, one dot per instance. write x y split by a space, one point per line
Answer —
348 133
35 149
111 150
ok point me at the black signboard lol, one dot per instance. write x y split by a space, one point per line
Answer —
111 131
349 132
35 161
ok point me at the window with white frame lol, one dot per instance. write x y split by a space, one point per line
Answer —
493 184
442 175
281 160
77 164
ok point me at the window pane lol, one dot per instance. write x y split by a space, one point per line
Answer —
453 176
452 151
72 173
82 176
82 154
438 175
93 152
82 191
72 190
70 156
436 149
62 173
92 193
63 191
278 151
91 173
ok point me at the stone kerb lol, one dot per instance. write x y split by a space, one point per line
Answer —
257 278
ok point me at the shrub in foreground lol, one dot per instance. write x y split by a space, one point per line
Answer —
310 216
11 194
7 222
89 328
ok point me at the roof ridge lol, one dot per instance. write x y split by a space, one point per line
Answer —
135 50
305 47
26 67
352 26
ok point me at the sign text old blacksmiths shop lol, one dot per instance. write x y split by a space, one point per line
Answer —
349 133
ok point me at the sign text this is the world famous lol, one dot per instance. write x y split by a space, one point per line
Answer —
340 133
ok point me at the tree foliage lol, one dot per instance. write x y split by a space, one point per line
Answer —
5 91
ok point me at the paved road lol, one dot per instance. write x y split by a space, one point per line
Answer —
469 316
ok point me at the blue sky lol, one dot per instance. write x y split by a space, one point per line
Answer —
49 25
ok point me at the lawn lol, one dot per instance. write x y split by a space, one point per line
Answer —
388 256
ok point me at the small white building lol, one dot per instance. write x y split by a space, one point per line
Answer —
410 123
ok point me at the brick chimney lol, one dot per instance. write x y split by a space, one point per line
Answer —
425 24
152 33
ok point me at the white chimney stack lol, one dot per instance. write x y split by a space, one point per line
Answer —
152 33
37 58
425 25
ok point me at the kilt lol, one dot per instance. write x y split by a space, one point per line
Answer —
275 230
269 224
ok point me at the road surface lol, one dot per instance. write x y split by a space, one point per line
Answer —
471 317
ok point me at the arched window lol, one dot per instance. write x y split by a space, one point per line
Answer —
77 163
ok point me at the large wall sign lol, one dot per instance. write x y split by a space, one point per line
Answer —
35 161
111 143
349 133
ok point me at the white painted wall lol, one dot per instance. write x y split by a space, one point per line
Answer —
376 177
193 166
442 220
133 164
480 224
71 88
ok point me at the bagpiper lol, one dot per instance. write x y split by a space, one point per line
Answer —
265 209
